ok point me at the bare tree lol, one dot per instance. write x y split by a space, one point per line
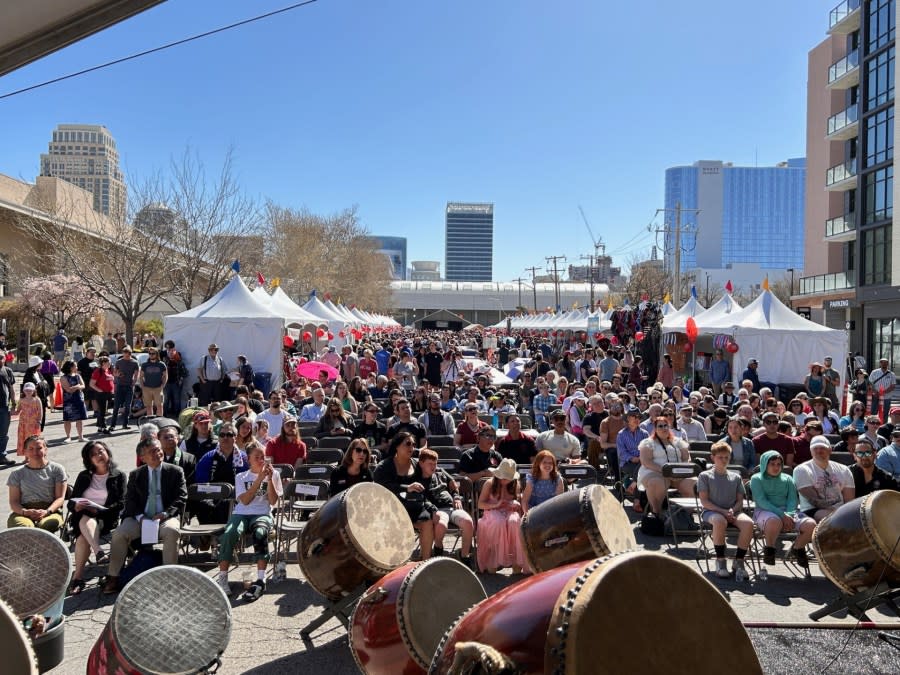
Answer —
207 222
331 254
646 276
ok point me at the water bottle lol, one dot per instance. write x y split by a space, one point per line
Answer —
192 403
247 578
495 421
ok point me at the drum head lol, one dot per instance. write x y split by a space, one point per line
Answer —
880 512
433 596
34 570
15 646
171 619
616 533
378 526
689 616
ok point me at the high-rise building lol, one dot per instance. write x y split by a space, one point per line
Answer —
395 250
86 155
469 242
746 215
852 271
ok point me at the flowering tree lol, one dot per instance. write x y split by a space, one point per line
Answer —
59 299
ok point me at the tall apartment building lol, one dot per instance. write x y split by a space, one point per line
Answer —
395 250
469 242
86 155
852 272
747 214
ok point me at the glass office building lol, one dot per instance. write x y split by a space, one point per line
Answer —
395 250
469 242
746 214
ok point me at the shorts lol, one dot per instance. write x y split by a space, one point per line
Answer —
760 517
646 474
456 515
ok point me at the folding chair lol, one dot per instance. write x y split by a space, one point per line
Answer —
526 420
286 471
324 456
339 442
705 547
447 451
682 470
313 472
578 475
204 492
310 442
307 428
301 497
759 542
439 440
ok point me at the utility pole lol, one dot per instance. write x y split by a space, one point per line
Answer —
533 271
519 281
556 259
676 246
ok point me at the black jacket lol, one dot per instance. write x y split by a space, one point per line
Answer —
115 498
173 490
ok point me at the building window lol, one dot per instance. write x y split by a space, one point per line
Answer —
880 137
878 195
881 24
876 252
880 79
884 341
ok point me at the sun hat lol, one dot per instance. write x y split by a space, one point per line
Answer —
506 470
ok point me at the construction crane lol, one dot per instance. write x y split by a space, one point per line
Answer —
598 243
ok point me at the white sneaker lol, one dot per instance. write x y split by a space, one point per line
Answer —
67 439
224 585
722 568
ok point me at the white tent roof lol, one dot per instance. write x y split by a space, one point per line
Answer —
281 302
317 308
668 308
723 310
765 312
677 321
348 315
235 300
337 311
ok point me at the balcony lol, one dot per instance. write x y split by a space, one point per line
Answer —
844 125
826 283
842 228
844 19
841 177
844 73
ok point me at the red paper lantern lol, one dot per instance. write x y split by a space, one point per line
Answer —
732 347
307 336
288 341
688 346
613 340
691 329
341 334
639 336
320 332
330 336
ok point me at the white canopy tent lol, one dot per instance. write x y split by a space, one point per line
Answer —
783 341
238 323
676 322
668 308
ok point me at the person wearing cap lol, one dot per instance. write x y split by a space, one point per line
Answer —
476 462
499 537
693 430
893 422
169 435
867 475
751 375
200 439
814 382
563 445
576 414
210 372
883 384
888 457
823 484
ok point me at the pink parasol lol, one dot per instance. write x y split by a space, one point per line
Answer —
310 370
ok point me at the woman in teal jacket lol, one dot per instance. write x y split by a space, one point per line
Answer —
776 508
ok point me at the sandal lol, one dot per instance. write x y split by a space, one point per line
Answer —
101 558
76 586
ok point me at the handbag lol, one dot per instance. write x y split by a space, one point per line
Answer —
652 525
680 521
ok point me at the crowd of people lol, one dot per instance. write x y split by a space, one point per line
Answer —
392 401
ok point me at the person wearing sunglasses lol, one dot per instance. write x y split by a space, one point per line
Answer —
663 446
336 421
219 465
354 468
867 475
824 485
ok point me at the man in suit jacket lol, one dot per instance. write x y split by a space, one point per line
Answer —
166 507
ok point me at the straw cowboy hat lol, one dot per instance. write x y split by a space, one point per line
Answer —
506 470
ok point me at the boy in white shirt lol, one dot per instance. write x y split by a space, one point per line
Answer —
256 492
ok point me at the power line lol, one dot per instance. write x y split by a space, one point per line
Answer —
214 31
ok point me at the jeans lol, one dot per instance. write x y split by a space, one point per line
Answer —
4 429
172 403
885 402
124 397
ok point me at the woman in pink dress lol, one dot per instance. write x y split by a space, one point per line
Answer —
499 540
30 408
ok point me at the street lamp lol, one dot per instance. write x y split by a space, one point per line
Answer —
791 270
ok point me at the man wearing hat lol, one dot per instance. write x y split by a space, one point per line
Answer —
211 372
883 384
727 398
886 429
823 485
7 398
478 462
224 413
563 445
752 374
200 440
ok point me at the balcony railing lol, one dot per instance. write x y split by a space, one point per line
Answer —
841 172
841 12
844 66
825 283
837 226
843 119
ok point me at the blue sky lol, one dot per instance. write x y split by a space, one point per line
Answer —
399 106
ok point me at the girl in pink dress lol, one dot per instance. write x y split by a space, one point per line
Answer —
30 408
499 540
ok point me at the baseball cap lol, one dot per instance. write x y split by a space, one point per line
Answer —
820 442
201 416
